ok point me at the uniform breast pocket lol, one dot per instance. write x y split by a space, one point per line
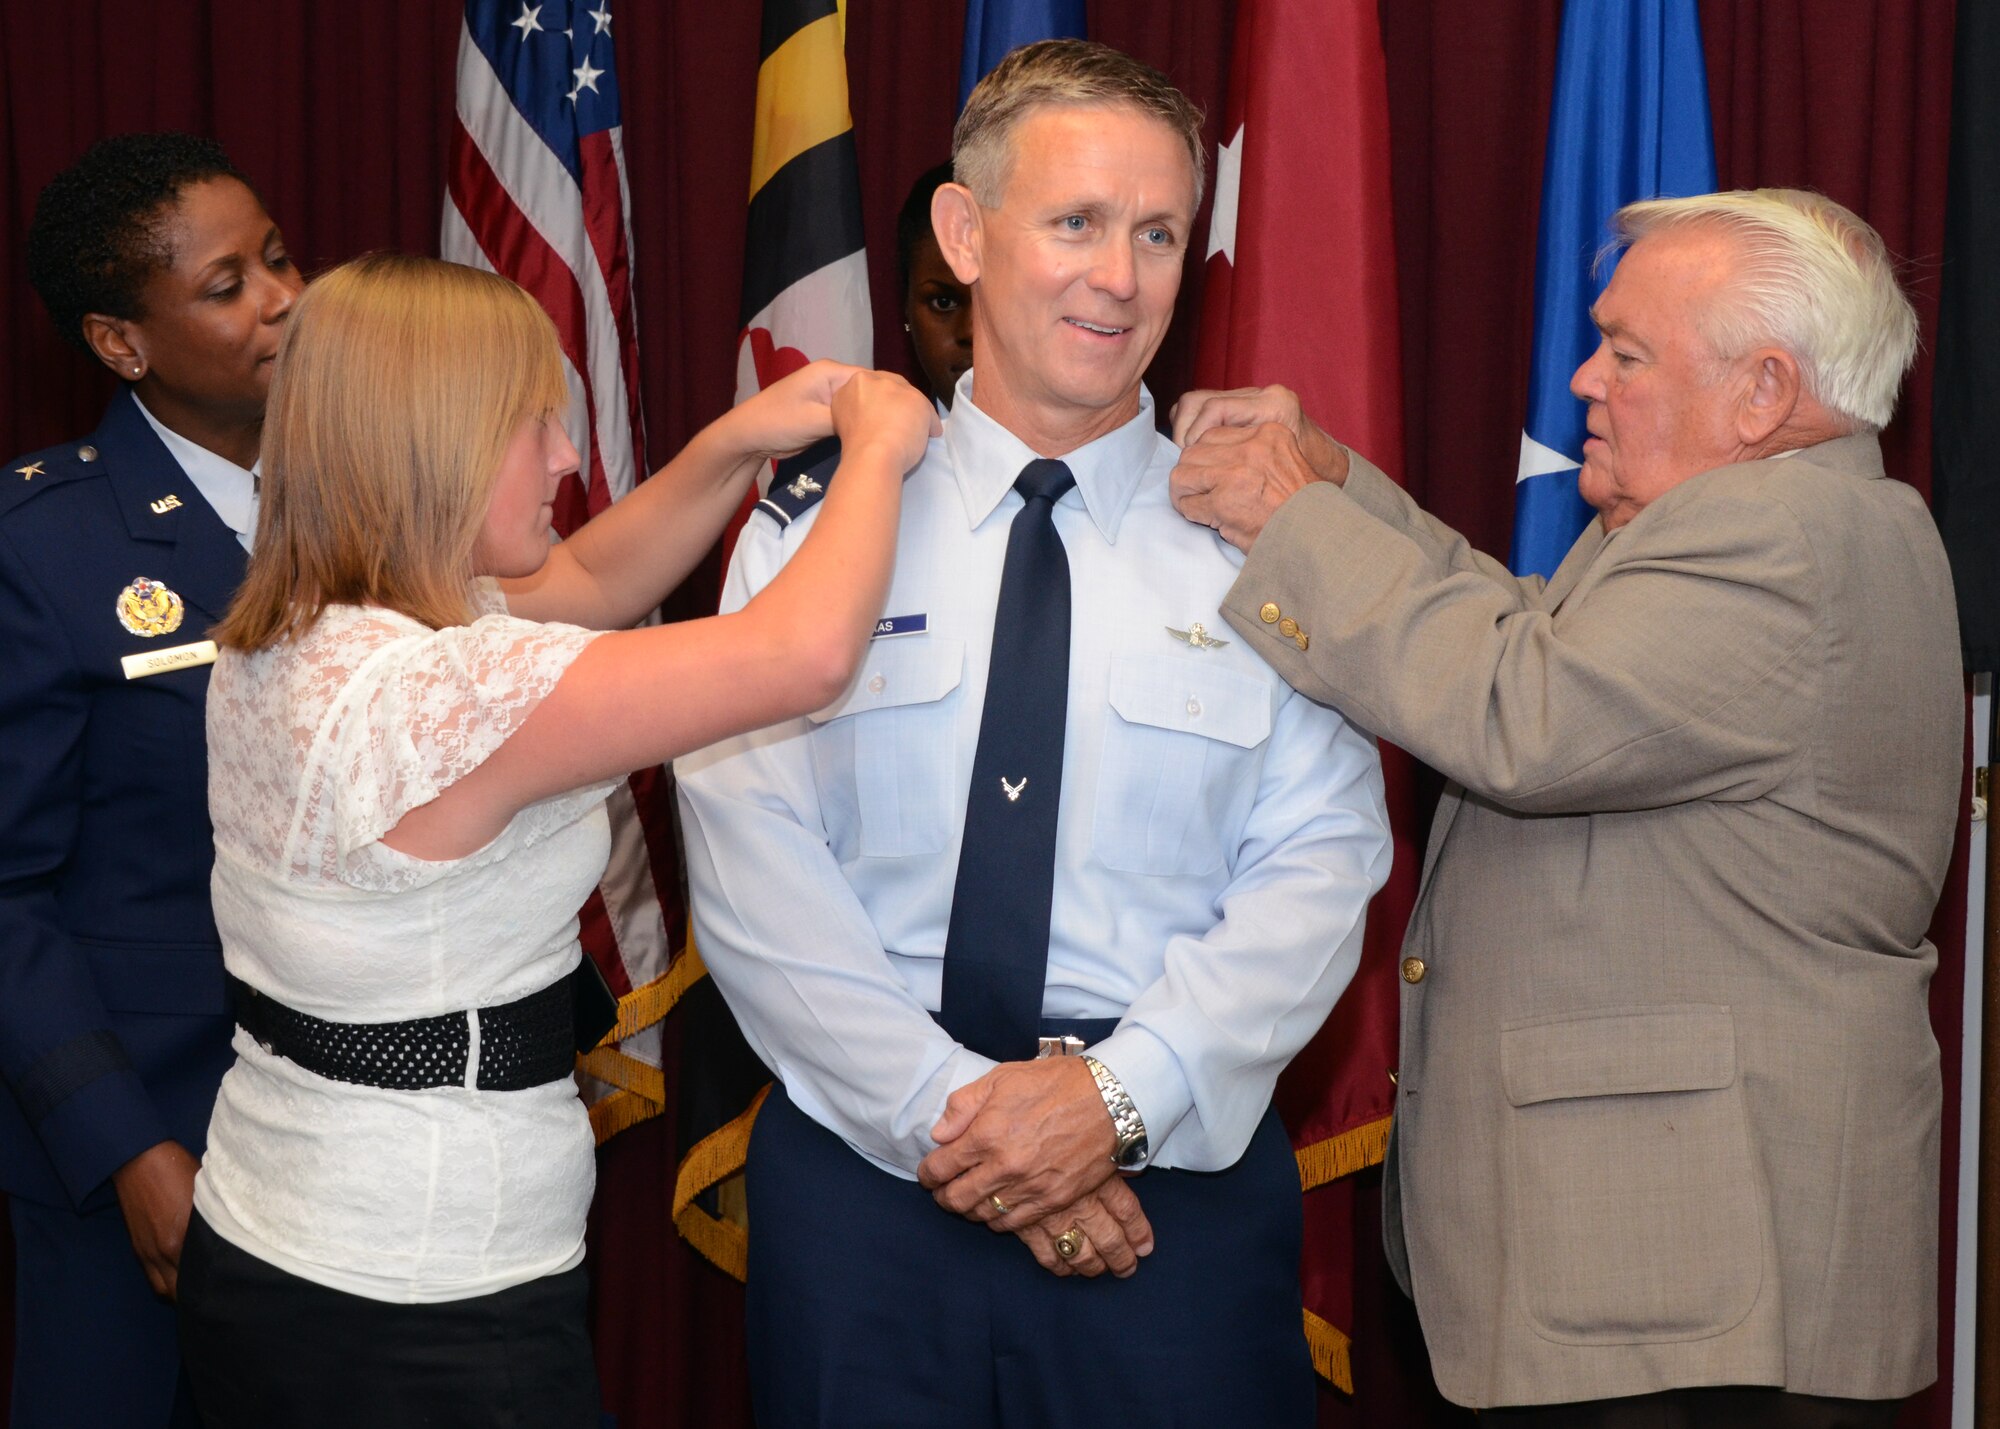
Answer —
1182 746
885 755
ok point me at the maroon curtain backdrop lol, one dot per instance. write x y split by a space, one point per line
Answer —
339 114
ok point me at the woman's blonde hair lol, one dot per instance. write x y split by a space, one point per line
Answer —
399 383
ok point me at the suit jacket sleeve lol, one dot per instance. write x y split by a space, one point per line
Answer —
1676 675
58 1053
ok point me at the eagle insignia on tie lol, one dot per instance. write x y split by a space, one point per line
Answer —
1013 791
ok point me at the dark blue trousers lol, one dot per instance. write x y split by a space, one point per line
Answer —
871 1306
92 1343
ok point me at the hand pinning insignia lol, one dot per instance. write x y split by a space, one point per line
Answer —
803 486
29 472
1196 636
1013 791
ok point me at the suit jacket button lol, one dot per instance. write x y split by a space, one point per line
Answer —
1269 613
1289 628
1413 971
86 453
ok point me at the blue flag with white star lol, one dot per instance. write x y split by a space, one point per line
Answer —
993 27
1629 120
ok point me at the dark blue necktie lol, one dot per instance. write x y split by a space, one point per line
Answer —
997 948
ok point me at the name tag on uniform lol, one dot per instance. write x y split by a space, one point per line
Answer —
158 662
892 625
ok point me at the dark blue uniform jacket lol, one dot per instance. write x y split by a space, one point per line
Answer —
114 1025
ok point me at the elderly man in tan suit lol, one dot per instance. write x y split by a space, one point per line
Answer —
1666 1145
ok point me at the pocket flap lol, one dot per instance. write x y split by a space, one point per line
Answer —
1178 694
1681 1047
904 671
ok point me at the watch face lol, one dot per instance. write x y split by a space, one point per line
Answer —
1132 1153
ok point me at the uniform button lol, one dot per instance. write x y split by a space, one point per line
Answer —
1269 614
1194 708
1413 971
86 453
876 684
1303 640
1289 628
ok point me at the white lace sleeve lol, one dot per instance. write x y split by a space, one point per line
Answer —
424 711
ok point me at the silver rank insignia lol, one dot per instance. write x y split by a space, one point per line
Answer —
1196 636
803 486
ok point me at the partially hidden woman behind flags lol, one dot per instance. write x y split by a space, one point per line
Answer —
413 726
156 259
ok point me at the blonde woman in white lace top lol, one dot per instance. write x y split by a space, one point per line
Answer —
419 709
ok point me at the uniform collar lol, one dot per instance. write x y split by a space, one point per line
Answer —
230 489
986 457
203 562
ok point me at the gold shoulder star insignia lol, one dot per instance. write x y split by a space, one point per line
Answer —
29 472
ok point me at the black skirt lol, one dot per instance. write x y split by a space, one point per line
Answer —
263 1347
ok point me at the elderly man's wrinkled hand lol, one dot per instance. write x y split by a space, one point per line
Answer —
1200 412
1107 1229
1232 478
1031 1136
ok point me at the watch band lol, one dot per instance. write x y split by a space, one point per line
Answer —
1131 1153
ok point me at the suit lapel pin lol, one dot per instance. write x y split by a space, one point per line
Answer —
169 502
1013 791
1196 636
148 608
803 486
29 472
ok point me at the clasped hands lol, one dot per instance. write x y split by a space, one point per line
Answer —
1036 1136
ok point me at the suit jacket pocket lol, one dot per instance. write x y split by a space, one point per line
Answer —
1634 1201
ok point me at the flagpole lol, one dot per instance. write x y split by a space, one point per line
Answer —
1986 1314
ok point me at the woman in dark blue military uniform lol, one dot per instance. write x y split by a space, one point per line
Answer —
155 256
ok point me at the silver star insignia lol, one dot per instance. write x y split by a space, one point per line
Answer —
1196 636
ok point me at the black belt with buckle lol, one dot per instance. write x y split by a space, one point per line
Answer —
525 1043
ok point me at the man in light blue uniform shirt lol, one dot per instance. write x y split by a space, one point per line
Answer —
1217 842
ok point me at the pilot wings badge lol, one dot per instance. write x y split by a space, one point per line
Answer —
1196 636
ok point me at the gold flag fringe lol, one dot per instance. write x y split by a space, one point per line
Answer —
1330 1352
1352 1150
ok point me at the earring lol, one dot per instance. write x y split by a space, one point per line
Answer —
906 327
135 372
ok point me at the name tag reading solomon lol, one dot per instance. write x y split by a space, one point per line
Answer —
893 625
158 662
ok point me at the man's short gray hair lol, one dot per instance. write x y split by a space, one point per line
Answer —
1072 72
1811 278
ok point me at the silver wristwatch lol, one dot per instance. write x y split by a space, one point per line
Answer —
1131 1152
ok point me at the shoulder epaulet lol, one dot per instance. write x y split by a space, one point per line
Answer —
800 482
28 476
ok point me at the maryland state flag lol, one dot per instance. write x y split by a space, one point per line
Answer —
805 296
1301 289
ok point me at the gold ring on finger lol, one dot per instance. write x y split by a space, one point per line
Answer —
999 1206
1070 1243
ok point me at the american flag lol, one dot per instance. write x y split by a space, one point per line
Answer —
536 192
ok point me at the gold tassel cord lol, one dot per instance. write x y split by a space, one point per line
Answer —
714 1158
